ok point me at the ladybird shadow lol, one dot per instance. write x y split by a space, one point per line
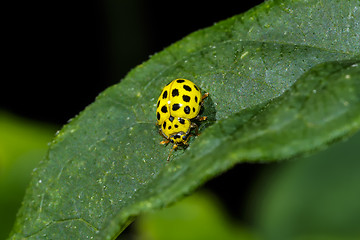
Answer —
208 110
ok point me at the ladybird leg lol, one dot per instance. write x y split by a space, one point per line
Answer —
198 118
194 125
165 142
185 142
204 96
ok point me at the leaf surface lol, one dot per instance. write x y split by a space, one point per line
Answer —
106 166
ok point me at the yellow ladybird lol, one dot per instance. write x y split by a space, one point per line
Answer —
179 103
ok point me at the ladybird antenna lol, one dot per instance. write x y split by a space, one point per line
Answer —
172 149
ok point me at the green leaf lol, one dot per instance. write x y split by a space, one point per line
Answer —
107 166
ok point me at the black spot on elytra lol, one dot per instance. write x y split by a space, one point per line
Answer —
186 98
164 125
158 103
169 127
182 121
176 126
193 109
158 116
180 80
164 109
196 87
165 95
196 99
187 109
175 92
171 118
187 88
175 107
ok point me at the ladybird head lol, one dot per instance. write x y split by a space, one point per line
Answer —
178 138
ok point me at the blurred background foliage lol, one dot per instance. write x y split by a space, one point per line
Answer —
23 143
61 55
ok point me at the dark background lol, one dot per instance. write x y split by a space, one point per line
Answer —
60 55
